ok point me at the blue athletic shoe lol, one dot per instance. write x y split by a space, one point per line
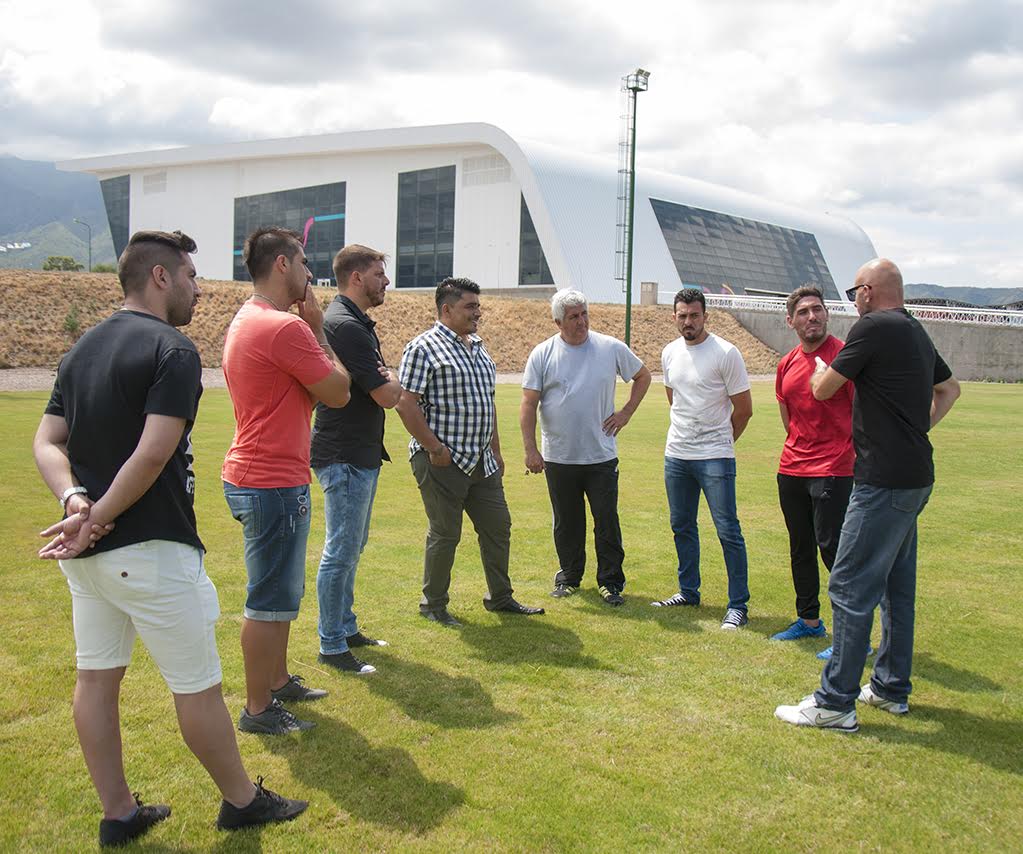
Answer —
825 654
799 629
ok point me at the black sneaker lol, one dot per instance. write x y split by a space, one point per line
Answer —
359 639
560 591
273 720
113 831
295 690
347 663
679 600
266 808
611 596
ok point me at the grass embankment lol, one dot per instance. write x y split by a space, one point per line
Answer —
588 729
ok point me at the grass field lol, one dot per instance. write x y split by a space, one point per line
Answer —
588 729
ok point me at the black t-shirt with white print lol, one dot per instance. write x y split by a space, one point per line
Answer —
127 367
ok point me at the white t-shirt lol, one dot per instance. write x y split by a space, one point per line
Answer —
702 378
577 392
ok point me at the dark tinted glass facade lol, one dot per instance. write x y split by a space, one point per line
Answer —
316 212
728 254
533 269
116 198
426 226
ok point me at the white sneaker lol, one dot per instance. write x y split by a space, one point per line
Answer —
868 696
808 713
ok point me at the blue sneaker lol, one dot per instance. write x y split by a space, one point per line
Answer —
799 629
825 654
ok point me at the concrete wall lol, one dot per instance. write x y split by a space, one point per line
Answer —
973 351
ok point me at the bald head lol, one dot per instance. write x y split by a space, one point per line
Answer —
878 286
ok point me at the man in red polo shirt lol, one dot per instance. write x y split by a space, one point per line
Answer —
276 364
815 474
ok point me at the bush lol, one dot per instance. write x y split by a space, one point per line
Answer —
104 268
62 262
72 324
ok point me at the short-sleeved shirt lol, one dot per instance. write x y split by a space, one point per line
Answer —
124 369
819 442
891 359
702 377
270 356
577 393
353 434
456 384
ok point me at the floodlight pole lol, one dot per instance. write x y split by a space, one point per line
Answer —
83 222
635 83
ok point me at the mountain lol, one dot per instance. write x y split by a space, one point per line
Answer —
972 295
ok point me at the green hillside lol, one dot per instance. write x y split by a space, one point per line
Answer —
55 238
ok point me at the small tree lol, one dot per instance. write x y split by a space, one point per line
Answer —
62 262
104 268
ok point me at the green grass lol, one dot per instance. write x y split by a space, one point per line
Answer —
585 729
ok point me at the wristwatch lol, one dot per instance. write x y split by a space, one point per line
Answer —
72 490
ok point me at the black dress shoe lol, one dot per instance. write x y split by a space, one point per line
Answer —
513 607
441 615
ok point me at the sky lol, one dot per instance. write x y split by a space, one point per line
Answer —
906 117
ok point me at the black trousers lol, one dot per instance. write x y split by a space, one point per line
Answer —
814 509
570 486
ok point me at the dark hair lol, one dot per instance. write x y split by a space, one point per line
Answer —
800 293
450 291
148 249
265 245
354 258
689 295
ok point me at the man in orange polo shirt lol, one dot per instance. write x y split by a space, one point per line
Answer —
276 364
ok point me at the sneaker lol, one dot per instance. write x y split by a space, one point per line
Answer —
678 599
808 713
116 831
266 808
295 690
611 596
359 639
868 696
562 590
347 663
825 654
273 720
735 618
799 629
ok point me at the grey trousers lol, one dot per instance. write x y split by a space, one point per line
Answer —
447 492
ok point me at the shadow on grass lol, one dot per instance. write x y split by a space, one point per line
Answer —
927 667
995 743
427 694
528 640
382 785
638 608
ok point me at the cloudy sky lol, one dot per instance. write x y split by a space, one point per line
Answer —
906 116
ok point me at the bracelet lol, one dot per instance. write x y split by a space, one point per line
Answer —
72 490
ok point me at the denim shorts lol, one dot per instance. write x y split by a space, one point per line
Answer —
275 525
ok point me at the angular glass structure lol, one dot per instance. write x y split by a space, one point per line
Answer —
533 269
317 213
728 254
426 226
116 199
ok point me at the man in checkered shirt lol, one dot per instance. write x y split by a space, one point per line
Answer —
447 404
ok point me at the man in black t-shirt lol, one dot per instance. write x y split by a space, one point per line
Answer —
114 447
348 450
903 388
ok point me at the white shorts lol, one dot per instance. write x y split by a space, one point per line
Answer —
157 589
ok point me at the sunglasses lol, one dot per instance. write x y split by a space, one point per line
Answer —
851 292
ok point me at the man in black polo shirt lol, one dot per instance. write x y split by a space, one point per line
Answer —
903 388
348 450
114 447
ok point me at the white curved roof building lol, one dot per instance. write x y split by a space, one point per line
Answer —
468 200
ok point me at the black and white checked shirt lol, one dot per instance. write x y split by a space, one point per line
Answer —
456 384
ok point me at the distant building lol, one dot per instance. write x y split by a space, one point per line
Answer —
468 200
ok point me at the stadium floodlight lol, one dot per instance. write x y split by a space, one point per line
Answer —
83 222
632 85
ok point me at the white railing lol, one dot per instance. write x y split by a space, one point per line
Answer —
939 313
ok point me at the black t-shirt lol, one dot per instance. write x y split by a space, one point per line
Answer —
891 359
353 434
127 367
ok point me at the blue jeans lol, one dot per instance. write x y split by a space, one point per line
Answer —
876 565
348 493
683 480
